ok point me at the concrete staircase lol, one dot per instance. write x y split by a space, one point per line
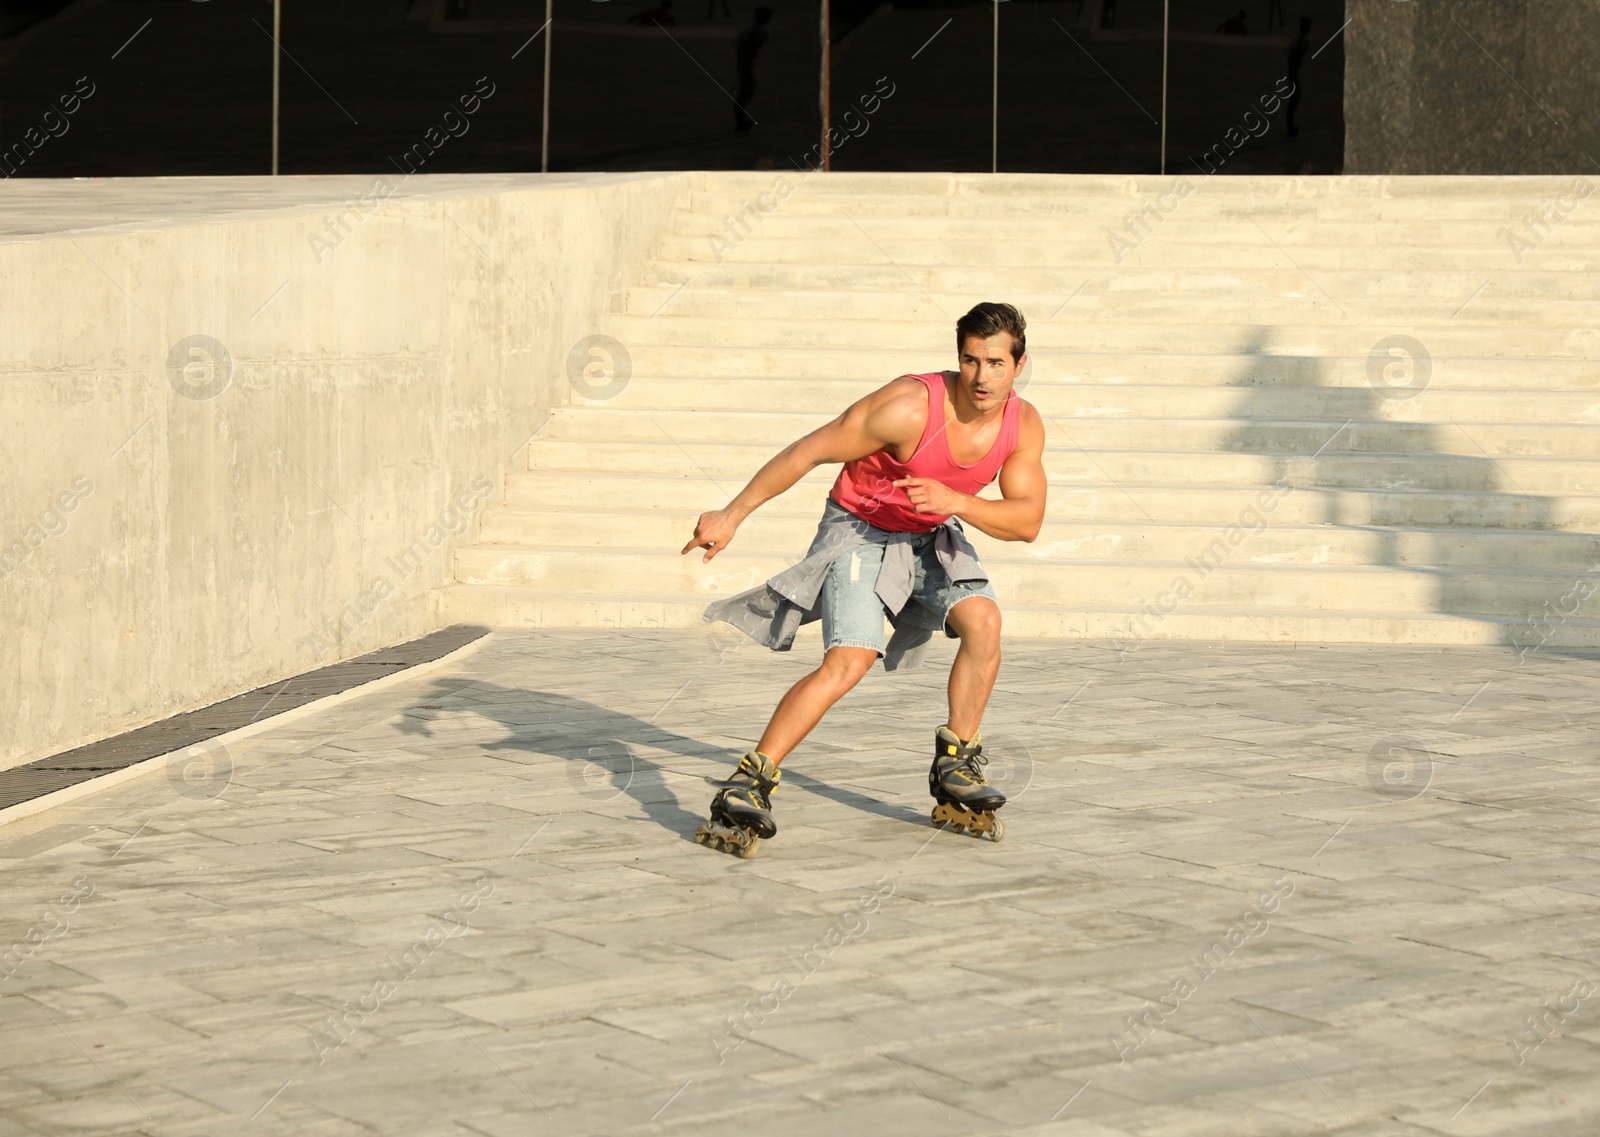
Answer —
1227 459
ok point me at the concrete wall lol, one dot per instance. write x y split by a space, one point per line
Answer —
1472 87
175 529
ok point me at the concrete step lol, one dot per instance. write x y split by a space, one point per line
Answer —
1071 461
1451 289
1195 583
1219 347
510 607
1078 399
606 489
1253 435
1310 338
1580 228
1284 300
1259 360
1031 193
1095 251
789 534
747 211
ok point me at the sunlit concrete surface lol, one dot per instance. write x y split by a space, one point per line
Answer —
43 208
1245 890
250 417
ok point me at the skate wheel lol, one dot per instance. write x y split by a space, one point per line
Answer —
958 819
948 816
727 839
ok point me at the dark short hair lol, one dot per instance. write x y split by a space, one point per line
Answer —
990 319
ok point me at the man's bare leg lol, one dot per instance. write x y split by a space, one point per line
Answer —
963 799
802 708
977 621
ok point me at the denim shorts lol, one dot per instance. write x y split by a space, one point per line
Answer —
852 614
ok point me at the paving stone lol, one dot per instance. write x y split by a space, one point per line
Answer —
598 977
112 1108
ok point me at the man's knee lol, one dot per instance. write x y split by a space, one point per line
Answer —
846 666
977 621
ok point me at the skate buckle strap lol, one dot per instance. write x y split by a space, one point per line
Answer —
756 770
969 757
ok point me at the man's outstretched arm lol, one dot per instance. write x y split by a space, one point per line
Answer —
888 416
1020 514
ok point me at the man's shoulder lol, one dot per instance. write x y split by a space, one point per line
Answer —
1030 423
899 409
916 386
907 392
906 388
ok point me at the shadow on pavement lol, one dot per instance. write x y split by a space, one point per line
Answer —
601 750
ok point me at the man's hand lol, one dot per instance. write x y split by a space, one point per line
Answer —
929 495
713 532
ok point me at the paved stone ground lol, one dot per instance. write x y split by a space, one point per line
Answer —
486 877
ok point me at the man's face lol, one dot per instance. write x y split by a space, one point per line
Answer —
987 369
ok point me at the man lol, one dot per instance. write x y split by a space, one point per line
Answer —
890 544
746 47
1297 57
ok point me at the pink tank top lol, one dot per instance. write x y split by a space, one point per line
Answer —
866 486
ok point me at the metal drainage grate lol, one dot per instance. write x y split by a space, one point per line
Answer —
57 772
